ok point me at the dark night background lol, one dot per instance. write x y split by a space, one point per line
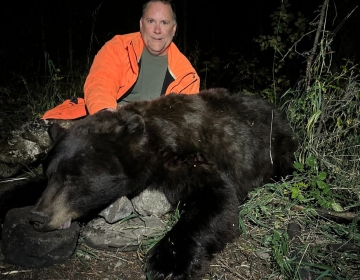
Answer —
31 29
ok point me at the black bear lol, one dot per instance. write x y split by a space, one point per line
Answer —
205 152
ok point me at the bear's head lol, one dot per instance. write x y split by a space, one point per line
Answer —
90 165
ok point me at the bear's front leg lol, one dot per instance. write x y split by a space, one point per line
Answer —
209 220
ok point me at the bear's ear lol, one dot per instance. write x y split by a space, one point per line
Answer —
55 131
134 125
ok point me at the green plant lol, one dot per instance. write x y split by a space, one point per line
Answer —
310 185
323 109
326 119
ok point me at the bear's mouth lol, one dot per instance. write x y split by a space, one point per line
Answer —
66 225
41 222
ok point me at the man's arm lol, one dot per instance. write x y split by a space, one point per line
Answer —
103 81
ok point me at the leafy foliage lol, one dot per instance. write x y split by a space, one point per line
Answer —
325 118
313 186
323 109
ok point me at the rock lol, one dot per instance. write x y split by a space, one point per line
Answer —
111 232
125 236
23 246
147 203
118 210
25 146
151 202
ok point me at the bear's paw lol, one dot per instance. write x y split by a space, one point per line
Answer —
173 258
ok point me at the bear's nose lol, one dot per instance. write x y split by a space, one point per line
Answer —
38 220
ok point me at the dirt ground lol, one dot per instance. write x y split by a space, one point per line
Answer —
237 261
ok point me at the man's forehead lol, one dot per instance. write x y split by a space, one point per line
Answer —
156 9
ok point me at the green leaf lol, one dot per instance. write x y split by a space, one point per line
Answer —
294 192
313 119
298 166
336 207
321 184
310 161
322 176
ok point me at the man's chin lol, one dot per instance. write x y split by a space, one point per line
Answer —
157 51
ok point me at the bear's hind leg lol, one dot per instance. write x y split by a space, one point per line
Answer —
209 220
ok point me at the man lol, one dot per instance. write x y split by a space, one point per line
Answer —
136 66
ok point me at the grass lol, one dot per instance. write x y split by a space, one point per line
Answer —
325 248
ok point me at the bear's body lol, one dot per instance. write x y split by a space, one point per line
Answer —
205 152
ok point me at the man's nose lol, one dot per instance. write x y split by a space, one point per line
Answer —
157 29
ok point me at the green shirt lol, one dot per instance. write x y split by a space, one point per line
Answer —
151 78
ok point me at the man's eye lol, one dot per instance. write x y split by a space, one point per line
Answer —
150 21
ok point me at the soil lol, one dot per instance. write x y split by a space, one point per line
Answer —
236 261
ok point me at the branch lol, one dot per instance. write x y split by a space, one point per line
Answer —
316 42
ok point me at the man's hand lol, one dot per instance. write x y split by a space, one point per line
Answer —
109 109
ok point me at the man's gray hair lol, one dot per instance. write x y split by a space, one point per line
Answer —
166 2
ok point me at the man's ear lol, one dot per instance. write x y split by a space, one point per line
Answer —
174 29
55 131
140 25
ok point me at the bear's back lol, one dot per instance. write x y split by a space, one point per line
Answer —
245 137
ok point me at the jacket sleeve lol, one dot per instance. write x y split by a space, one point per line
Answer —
103 81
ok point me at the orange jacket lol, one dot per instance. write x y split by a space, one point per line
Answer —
115 70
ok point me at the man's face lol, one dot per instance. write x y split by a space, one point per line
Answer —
157 27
